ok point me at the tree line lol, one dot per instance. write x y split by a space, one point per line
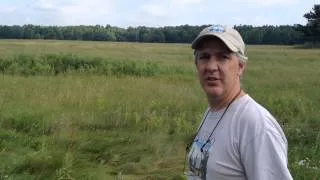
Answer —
311 31
268 34
171 34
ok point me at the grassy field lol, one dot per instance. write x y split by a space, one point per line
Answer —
88 110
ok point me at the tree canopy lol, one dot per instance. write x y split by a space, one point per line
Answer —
267 34
311 31
285 35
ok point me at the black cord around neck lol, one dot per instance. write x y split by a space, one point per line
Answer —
224 112
187 148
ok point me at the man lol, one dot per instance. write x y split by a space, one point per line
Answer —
238 139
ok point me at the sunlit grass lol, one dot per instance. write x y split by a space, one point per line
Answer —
100 126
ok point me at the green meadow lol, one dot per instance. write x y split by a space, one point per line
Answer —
74 110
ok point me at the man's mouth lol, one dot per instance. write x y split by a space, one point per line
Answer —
212 79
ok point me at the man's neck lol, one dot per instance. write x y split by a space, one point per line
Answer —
217 104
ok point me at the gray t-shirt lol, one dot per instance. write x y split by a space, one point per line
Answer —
248 144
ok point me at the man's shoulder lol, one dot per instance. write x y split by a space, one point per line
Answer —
252 110
254 118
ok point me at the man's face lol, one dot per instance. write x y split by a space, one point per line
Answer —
219 69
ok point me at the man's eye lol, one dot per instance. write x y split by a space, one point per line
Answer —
223 55
204 56
218 55
226 56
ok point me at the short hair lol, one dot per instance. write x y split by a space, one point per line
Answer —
242 59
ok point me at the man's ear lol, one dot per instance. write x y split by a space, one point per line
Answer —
242 66
195 57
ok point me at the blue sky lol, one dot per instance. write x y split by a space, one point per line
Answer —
156 13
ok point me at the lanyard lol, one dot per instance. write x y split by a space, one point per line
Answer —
224 112
208 140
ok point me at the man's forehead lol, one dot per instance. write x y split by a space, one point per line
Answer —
213 44
214 49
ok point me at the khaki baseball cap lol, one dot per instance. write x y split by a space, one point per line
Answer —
228 35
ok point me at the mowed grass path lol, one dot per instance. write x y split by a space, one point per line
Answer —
80 126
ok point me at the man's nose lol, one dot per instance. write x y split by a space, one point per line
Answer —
212 64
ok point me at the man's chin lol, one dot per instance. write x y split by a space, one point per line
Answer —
213 91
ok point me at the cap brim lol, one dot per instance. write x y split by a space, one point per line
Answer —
223 38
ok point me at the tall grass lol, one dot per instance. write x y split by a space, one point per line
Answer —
81 123
54 64
118 124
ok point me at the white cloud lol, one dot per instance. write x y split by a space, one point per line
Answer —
88 12
59 12
7 9
44 4
7 13
167 12
151 12
72 12
265 2
186 2
154 9
257 20
261 20
28 20
239 20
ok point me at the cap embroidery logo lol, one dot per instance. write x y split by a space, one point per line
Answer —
217 28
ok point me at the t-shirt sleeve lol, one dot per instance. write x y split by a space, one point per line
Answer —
264 157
